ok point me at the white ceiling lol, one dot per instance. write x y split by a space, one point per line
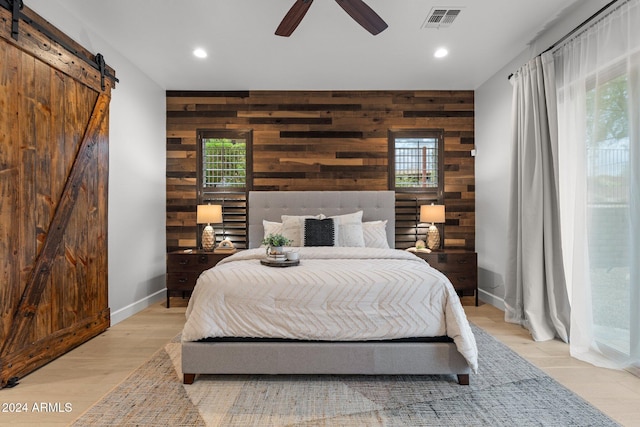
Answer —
328 51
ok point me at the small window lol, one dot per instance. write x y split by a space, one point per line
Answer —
416 174
415 160
224 162
224 178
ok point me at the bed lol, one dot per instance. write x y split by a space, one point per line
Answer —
358 310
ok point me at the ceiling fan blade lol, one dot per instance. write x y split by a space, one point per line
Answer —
363 15
293 17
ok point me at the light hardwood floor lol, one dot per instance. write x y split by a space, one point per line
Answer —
84 375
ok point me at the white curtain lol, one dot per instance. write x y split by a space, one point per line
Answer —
535 292
598 91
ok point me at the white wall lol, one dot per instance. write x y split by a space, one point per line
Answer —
137 191
137 170
493 156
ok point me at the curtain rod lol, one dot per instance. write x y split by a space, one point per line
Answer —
578 28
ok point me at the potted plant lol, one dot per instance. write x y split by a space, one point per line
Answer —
274 243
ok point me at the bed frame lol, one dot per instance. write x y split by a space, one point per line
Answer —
398 357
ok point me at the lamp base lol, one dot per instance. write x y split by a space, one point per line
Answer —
208 239
433 237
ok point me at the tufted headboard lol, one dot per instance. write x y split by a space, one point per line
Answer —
270 205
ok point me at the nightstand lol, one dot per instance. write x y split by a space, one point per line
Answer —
184 268
459 265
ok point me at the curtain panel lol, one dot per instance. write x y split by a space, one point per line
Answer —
598 87
574 223
535 292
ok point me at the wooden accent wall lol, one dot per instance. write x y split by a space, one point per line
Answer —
322 140
53 196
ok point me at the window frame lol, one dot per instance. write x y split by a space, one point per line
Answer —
437 134
607 345
234 214
247 135
409 199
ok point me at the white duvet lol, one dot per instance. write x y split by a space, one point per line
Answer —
335 294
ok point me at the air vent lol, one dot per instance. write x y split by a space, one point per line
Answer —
441 17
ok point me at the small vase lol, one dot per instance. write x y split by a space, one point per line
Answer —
274 250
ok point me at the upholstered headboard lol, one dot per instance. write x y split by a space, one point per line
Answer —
270 205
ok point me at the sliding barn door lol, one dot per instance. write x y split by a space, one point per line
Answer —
54 103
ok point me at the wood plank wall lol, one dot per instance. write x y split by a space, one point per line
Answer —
322 140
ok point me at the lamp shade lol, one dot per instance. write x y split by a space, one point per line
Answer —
208 214
432 213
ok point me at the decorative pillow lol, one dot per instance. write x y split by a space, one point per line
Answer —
319 232
349 229
271 227
293 227
375 234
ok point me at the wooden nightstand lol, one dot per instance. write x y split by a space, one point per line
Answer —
184 268
459 265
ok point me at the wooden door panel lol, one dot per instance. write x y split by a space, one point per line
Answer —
9 179
53 197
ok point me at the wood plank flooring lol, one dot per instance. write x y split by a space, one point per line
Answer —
84 375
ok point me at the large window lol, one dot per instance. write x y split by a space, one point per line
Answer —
597 76
224 178
608 178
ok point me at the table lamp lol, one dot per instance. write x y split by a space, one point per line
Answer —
432 213
208 214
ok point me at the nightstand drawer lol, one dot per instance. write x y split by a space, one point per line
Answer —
462 281
184 268
191 262
453 262
184 281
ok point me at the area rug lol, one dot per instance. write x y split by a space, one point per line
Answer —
507 391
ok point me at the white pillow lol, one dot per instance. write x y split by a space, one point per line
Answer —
271 227
349 229
375 234
293 227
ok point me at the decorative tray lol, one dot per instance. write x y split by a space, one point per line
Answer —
284 263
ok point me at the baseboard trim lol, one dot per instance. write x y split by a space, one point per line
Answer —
634 369
489 298
128 311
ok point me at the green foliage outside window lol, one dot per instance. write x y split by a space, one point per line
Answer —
607 112
607 135
224 162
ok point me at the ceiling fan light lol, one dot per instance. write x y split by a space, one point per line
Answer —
200 53
441 52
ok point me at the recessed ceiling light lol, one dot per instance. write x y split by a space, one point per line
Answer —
441 53
200 53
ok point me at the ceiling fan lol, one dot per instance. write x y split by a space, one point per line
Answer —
357 9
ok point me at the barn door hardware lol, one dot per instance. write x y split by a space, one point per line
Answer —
16 7
102 68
